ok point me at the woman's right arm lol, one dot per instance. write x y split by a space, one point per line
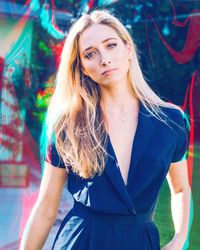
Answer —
44 212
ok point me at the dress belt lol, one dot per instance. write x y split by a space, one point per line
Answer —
82 211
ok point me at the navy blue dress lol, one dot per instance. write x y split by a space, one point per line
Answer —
109 215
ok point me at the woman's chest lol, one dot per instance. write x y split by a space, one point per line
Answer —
122 137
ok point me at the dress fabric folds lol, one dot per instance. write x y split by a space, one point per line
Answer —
107 214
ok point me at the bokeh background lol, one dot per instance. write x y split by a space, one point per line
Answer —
32 33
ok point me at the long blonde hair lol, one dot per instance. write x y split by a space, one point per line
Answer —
74 114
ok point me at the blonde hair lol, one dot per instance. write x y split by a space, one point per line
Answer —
74 114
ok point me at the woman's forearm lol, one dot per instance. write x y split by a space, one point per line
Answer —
180 205
37 229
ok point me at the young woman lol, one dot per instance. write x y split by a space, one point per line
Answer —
115 141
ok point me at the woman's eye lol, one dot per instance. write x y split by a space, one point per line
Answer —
112 45
90 54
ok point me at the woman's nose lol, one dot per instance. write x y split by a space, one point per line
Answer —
105 61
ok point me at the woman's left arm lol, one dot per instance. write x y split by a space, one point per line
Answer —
180 203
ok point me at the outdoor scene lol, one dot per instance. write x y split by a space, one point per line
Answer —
32 34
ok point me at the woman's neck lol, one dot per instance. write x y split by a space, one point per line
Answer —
119 102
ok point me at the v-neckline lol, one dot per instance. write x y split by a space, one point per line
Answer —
113 154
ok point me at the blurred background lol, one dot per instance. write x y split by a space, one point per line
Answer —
32 33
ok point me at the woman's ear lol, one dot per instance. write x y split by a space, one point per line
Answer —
130 50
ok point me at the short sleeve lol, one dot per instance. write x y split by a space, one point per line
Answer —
53 157
182 139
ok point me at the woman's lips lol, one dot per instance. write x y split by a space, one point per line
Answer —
108 71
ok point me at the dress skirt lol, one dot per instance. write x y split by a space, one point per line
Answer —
84 229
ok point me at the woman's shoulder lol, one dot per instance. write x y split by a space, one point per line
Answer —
169 114
173 111
179 125
176 117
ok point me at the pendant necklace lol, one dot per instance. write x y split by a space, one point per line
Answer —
122 117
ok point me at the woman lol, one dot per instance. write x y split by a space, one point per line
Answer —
115 141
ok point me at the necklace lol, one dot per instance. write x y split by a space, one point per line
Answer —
122 117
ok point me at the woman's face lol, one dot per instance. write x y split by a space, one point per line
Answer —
104 56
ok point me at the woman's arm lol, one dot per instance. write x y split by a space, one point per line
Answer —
45 209
180 203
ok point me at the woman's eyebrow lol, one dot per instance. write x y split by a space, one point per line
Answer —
90 47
